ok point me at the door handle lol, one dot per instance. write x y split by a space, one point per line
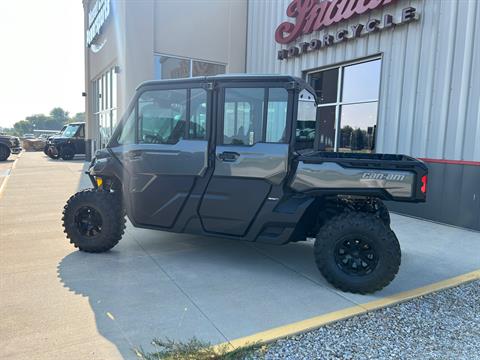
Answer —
228 156
134 154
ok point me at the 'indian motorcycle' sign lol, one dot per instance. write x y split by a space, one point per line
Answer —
315 15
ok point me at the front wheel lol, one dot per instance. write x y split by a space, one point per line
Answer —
357 252
94 221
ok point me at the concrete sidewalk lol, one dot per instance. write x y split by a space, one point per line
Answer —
58 303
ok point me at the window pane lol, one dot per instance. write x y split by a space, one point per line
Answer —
107 91
243 116
361 81
306 120
276 115
198 114
114 89
358 127
162 116
127 136
171 68
326 128
200 68
325 84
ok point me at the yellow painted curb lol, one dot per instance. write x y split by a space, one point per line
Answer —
318 321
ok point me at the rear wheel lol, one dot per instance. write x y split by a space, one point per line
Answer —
357 252
94 221
4 153
67 153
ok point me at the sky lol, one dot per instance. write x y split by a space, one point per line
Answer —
41 58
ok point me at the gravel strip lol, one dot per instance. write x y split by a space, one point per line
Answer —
443 325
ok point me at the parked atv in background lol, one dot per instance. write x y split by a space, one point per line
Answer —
237 157
70 143
9 145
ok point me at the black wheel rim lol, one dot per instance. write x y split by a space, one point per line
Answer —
88 221
356 256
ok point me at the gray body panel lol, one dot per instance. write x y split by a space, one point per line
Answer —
187 157
260 161
329 175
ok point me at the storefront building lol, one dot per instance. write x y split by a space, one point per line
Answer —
391 76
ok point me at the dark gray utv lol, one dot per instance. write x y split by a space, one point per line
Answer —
237 157
9 145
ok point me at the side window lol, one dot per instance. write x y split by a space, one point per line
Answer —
198 115
81 131
127 136
162 116
306 121
276 115
243 116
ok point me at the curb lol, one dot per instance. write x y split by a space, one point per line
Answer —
280 332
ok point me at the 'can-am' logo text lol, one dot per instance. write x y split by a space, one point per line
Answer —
382 176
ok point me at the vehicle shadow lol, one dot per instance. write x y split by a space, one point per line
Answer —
134 301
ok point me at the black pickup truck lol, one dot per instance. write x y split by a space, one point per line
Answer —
9 145
231 157
70 142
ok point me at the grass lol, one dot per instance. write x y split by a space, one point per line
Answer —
195 349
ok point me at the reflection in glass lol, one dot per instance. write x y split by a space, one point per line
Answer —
276 115
243 116
162 116
198 114
325 84
326 128
361 81
167 67
358 127
306 121
201 68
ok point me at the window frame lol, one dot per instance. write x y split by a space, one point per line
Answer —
339 103
105 102
256 85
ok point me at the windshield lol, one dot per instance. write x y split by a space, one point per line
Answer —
306 120
70 131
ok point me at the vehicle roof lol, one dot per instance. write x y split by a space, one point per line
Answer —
229 77
76 123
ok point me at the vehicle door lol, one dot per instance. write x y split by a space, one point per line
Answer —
168 154
251 154
79 140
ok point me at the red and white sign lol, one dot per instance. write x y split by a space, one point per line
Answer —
314 15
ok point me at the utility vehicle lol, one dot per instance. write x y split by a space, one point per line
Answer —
69 143
235 157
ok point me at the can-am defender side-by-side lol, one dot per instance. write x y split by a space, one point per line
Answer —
238 157
69 143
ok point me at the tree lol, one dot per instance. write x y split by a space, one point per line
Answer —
59 115
358 142
79 117
23 127
346 136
